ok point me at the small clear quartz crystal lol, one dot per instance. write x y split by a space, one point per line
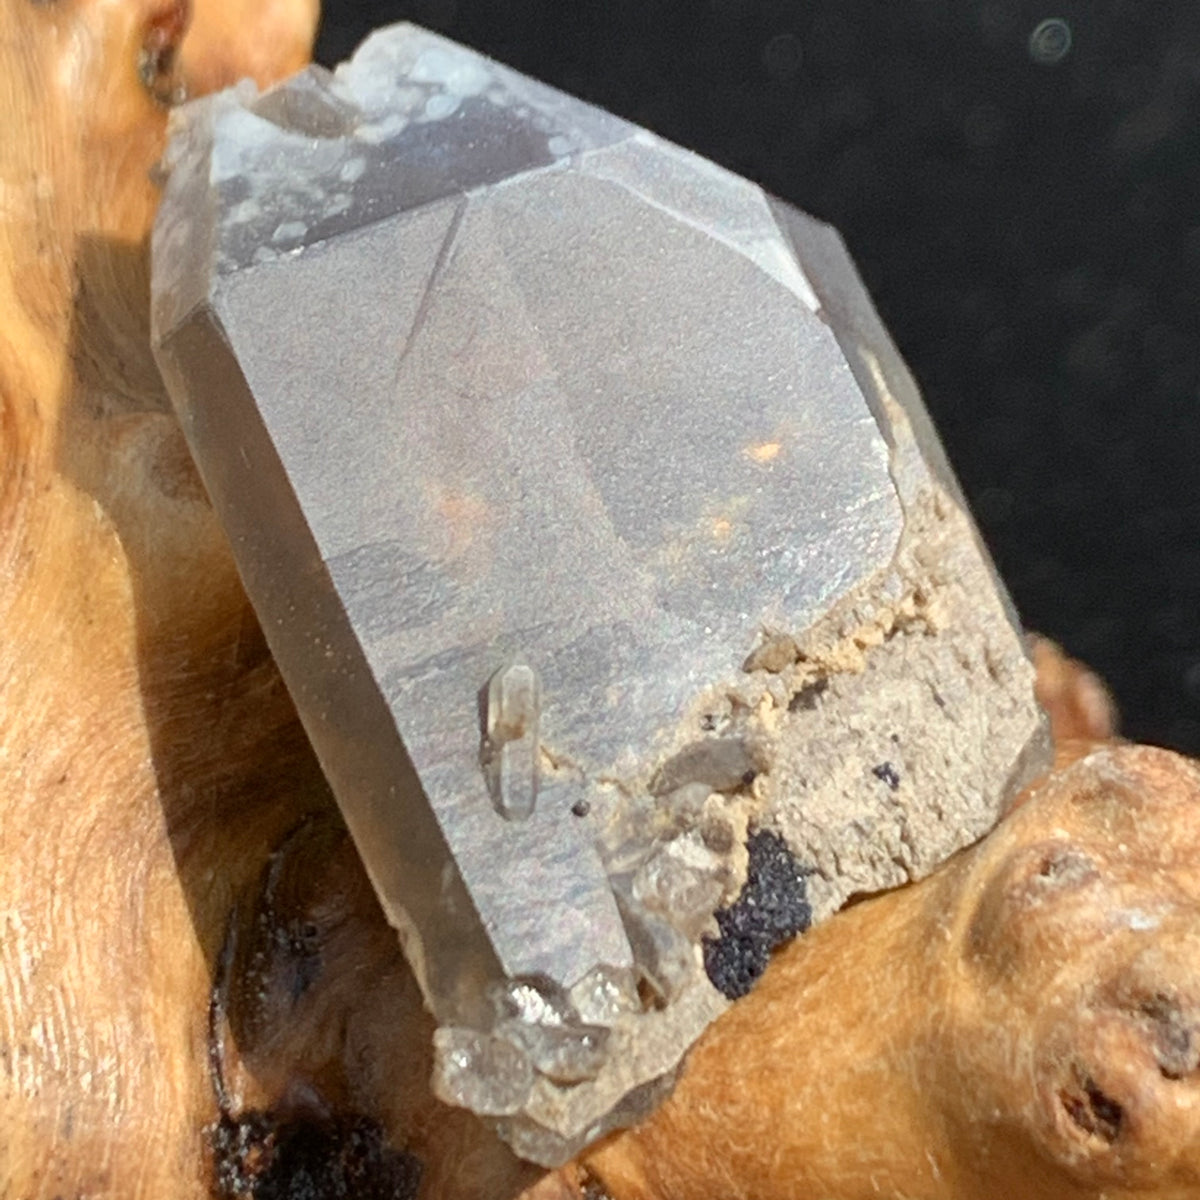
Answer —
665 954
563 1053
512 750
543 1021
604 996
683 881
479 1071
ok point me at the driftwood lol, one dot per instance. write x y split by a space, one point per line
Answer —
197 991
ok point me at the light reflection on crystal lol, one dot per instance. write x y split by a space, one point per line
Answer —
535 1002
604 995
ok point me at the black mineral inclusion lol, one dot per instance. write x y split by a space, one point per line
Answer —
772 908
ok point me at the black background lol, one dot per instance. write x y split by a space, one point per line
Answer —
1030 233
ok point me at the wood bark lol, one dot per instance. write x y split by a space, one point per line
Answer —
197 991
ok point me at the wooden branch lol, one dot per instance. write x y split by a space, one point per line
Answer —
1025 1023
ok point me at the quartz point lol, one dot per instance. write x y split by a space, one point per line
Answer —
582 498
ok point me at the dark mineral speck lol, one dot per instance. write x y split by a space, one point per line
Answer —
888 774
772 907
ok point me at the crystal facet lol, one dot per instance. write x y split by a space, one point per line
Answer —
664 954
563 1053
604 996
594 522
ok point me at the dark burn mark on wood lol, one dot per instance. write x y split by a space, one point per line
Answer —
266 1156
158 60
1091 1110
279 952
297 947
591 1188
294 1151
218 1005
772 908
1176 1049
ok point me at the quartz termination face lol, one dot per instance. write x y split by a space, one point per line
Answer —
596 528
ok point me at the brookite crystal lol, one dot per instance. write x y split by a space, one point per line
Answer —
595 525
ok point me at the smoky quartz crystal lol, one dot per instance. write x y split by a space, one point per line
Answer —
595 524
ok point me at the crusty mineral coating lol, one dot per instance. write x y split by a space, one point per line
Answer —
928 648
942 666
